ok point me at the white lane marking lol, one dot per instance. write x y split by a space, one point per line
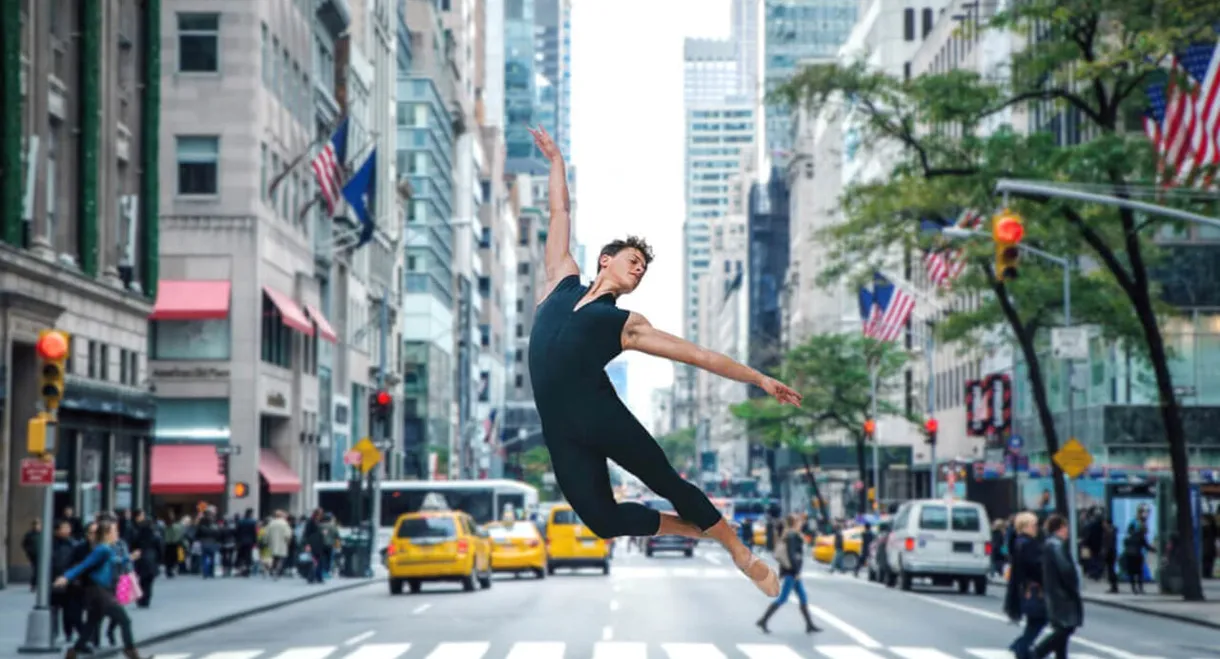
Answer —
360 637
692 651
536 651
421 608
983 653
845 652
856 635
614 605
1110 650
306 653
620 651
179 655
769 651
234 654
712 558
920 653
380 651
607 633
460 651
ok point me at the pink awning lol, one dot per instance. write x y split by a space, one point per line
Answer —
281 479
324 329
191 300
291 314
185 469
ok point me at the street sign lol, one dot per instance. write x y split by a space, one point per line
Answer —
352 458
36 472
1016 443
227 449
1070 342
369 455
1073 458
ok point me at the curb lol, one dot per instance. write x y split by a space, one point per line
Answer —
231 617
1135 608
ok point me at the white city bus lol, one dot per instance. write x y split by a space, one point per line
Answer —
484 500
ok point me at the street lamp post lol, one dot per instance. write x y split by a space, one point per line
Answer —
1066 266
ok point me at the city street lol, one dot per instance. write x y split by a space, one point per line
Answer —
677 608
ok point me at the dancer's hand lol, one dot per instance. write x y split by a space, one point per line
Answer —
779 391
545 144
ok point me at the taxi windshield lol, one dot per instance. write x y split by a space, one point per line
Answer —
516 530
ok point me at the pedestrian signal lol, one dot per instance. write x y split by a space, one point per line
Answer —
241 490
53 351
1007 230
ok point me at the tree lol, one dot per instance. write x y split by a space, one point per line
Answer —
534 464
679 447
832 372
1091 61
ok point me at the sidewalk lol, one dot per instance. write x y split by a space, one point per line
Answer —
180 606
1205 613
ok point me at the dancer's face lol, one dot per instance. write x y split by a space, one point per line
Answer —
625 270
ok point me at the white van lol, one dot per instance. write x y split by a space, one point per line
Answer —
943 540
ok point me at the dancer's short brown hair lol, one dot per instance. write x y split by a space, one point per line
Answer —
616 246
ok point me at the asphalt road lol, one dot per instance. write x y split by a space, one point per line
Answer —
675 608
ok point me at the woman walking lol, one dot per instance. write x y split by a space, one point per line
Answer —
1025 597
100 572
790 552
577 330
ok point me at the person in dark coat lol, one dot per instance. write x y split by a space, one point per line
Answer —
146 539
62 550
246 534
315 544
1135 550
1061 581
1025 596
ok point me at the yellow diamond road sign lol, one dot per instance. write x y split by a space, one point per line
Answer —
1073 458
369 455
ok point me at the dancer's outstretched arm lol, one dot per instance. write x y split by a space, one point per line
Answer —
640 335
558 260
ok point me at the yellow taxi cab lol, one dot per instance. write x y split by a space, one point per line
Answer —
760 533
570 544
517 547
438 546
824 547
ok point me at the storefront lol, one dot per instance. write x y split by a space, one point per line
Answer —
185 462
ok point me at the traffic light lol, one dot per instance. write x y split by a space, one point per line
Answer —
929 428
381 406
241 490
870 427
53 350
40 434
1007 230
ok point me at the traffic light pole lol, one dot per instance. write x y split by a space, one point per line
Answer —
931 369
40 632
872 393
383 319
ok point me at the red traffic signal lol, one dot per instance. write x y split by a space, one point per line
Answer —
870 427
931 425
382 398
1008 229
52 346
241 490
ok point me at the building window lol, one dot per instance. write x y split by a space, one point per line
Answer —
276 337
198 162
908 24
103 362
523 268
262 172
520 330
520 355
198 43
520 381
92 351
190 340
927 22
266 58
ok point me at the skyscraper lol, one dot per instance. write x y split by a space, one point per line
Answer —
552 21
796 31
520 88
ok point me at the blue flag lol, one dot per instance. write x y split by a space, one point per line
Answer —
866 303
360 192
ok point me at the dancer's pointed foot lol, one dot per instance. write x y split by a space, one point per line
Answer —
761 574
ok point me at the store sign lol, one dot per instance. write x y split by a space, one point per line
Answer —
195 373
277 400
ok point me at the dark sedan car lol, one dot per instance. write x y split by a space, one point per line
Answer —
674 543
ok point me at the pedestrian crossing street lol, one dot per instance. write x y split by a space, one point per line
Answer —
604 650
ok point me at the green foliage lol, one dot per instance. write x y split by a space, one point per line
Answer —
534 463
831 371
679 447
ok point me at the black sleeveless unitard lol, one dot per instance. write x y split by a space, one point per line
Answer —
584 422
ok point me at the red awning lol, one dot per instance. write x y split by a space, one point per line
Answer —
281 479
185 469
191 300
324 329
290 313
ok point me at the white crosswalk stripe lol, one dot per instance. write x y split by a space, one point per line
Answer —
605 650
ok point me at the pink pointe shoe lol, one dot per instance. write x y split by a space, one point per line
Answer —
768 583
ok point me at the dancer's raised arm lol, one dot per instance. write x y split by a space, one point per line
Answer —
558 259
639 334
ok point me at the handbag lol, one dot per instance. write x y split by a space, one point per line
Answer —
1033 604
127 590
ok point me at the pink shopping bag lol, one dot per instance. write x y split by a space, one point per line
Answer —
128 589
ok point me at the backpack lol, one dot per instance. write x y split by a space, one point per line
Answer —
781 552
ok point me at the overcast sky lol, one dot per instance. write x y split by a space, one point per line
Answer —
627 140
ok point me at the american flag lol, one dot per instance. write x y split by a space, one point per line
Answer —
328 167
893 309
1183 115
945 265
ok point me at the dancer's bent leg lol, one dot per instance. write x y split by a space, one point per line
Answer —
633 448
